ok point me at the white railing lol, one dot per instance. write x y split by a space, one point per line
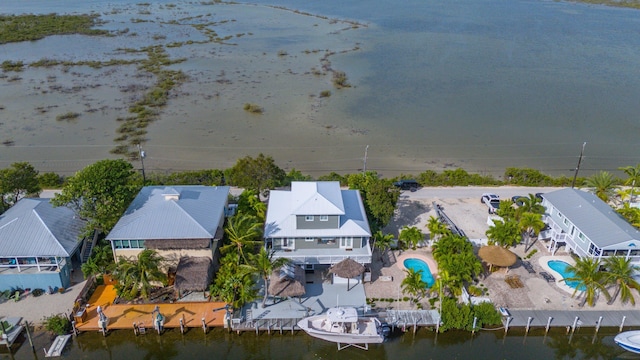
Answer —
323 259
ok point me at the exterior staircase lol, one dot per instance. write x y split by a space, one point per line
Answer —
87 247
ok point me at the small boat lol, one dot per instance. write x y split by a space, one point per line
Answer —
629 340
342 325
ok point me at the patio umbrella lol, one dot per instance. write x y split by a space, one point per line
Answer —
497 255
347 268
285 286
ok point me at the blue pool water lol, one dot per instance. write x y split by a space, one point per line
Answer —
561 268
419 265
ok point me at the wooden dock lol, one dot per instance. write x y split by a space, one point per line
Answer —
58 345
123 316
571 318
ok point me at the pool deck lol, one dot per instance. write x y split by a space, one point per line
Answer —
424 256
544 263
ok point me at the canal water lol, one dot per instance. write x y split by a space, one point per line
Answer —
219 344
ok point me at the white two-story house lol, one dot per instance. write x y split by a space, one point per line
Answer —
587 226
317 223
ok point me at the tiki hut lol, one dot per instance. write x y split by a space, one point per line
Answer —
287 281
193 274
497 255
347 268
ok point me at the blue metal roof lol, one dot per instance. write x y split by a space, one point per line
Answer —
33 227
173 212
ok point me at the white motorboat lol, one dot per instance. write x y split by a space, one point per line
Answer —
629 340
342 325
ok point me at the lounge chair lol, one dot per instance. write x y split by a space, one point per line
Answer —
547 276
527 265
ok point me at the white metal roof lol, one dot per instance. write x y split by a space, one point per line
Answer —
33 227
593 217
328 199
173 212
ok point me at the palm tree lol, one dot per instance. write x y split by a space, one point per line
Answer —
589 278
631 214
633 173
436 228
412 284
234 283
620 272
411 236
136 278
603 184
242 231
530 224
100 262
382 242
530 204
504 233
264 264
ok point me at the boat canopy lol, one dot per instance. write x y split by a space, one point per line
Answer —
342 315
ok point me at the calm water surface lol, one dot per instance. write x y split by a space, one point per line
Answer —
424 345
480 84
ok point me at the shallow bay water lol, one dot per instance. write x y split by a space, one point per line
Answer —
482 85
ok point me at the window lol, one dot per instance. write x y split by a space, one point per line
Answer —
346 243
560 215
324 217
594 250
308 239
566 221
326 241
308 218
582 237
128 244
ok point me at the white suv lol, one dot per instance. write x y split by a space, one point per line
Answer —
492 201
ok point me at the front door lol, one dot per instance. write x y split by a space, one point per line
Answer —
346 243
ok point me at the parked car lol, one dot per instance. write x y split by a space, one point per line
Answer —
411 185
518 199
492 201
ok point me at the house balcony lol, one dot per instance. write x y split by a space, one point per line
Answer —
324 256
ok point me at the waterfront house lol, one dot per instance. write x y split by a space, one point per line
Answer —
317 223
38 245
182 223
587 226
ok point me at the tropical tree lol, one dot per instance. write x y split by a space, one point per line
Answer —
258 174
631 214
382 242
264 264
436 228
249 203
602 184
504 233
530 204
410 237
633 178
100 262
100 193
590 280
506 210
619 271
137 278
379 197
530 225
16 181
412 284
455 258
243 231
234 283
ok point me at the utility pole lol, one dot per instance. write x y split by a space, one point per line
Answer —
142 156
364 166
575 175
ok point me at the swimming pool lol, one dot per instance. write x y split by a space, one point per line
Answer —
560 267
419 265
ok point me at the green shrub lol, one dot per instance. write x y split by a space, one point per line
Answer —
37 292
57 324
531 253
9 65
253 108
50 180
325 93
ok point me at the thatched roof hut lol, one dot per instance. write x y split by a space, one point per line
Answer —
193 274
287 286
347 268
497 255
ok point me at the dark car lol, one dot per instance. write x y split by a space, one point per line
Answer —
518 199
407 185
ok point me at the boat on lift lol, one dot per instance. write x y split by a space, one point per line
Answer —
343 326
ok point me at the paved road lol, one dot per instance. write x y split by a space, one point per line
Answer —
472 192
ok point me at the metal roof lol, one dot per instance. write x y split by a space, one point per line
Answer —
173 212
284 206
593 217
33 227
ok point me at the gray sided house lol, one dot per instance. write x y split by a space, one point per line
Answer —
317 223
37 245
182 223
588 226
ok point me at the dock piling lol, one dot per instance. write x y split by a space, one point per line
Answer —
573 327
135 330
506 325
546 329
622 323
528 324
182 326
475 321
204 326
598 324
